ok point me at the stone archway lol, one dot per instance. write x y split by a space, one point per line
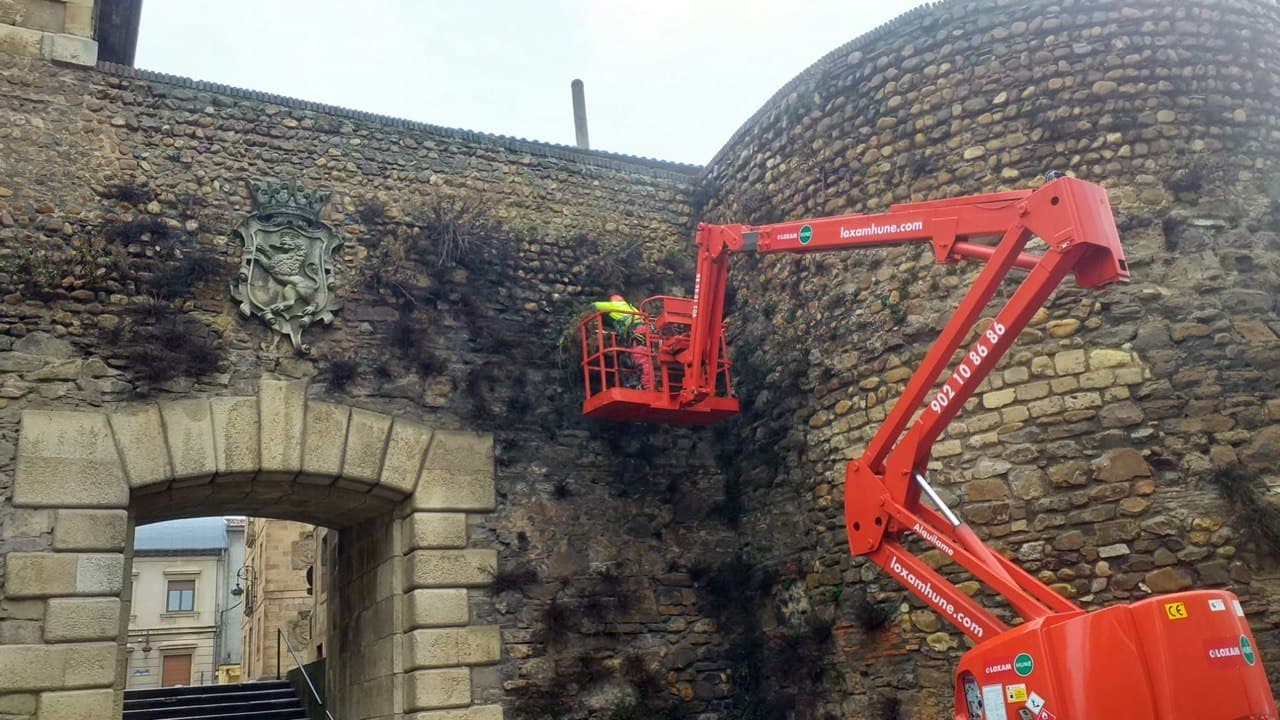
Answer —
400 490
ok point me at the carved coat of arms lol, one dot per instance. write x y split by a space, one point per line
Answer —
286 274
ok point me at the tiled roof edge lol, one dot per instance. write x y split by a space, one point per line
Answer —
598 158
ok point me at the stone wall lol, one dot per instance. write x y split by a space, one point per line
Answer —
466 256
1097 455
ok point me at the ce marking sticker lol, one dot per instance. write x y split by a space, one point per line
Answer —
1176 610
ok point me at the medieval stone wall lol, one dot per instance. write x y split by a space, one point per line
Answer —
1105 452
465 258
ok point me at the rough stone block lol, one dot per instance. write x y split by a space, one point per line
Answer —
235 436
68 459
40 574
457 473
1069 362
435 530
451 568
99 574
366 445
18 704
79 19
325 442
91 530
188 428
27 523
475 712
139 433
57 667
72 619
71 49
436 608
61 574
432 689
281 417
21 41
77 704
406 449
447 647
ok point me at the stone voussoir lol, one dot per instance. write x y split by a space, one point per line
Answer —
236 442
188 428
457 473
282 422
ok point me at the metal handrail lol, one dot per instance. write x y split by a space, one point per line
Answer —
305 676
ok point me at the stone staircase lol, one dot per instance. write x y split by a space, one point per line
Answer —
244 701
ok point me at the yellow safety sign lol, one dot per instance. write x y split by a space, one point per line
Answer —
1176 611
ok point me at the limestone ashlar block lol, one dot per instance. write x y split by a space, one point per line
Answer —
435 530
188 428
366 446
61 574
450 568
406 449
139 434
21 41
457 473
79 19
105 530
433 689
475 712
68 459
448 647
282 414
80 619
325 442
235 436
440 607
77 705
71 49
66 666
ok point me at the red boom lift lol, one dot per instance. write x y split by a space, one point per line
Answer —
1183 656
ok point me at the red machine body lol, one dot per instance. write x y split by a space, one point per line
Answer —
1175 657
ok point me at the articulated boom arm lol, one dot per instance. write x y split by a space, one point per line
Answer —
883 487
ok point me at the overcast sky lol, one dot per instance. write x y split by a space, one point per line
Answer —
670 79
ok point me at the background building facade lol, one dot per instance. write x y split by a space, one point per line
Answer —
180 632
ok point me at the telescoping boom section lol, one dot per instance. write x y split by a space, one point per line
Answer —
1185 656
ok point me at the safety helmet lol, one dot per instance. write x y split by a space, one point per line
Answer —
616 298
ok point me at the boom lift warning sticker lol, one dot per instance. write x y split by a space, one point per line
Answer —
993 702
1015 693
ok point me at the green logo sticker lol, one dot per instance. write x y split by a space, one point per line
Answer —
806 234
1246 650
1023 664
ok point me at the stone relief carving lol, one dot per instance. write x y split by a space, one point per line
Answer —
298 629
286 272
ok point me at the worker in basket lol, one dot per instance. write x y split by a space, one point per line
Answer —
626 322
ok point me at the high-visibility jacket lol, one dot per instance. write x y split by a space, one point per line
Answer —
622 315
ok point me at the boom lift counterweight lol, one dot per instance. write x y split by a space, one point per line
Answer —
1185 656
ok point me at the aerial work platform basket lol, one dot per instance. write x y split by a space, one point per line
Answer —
633 367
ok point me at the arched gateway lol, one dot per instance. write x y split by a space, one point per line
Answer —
398 491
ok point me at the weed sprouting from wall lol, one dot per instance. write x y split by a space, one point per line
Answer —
1259 516
868 615
515 578
177 279
129 193
340 373
160 343
371 213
